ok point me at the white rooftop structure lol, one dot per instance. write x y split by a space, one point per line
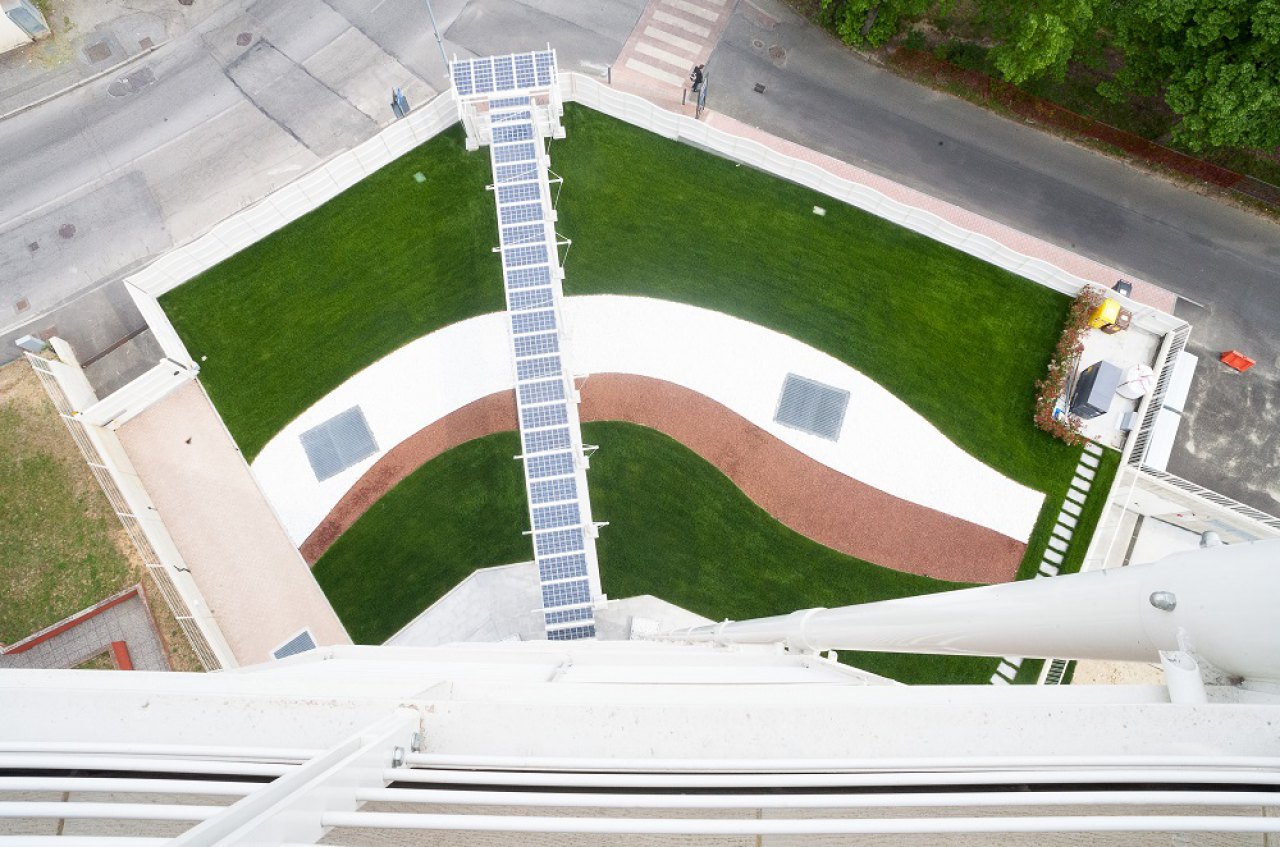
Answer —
736 730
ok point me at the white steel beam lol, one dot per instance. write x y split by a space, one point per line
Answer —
575 799
290 808
844 826
834 780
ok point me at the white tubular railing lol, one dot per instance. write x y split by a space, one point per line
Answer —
110 466
881 764
108 811
126 785
1109 776
909 800
756 826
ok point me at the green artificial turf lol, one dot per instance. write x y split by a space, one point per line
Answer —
286 320
391 259
678 529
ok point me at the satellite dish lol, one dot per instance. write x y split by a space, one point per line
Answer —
1138 381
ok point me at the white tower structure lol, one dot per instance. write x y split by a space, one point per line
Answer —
745 733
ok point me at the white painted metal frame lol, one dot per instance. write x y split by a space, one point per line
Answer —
477 82
555 463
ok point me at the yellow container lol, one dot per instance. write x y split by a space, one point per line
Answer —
1105 314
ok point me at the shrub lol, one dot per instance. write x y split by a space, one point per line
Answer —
1065 357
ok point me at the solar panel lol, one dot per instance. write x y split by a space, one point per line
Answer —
558 507
482 74
535 345
549 464
539 416
554 517
519 213
538 368
545 440
510 116
461 74
528 277
540 392
531 255
521 193
515 173
561 616
573 633
526 75
533 322
546 67
516 132
508 102
566 593
553 490
530 298
562 567
523 234
521 151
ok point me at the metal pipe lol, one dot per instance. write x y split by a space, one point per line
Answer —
809 780
108 811
299 754
66 761
130 786
547 799
1223 606
79 841
967 763
863 826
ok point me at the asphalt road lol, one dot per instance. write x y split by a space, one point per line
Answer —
254 93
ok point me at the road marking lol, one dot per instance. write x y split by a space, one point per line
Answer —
693 9
672 40
680 23
656 73
662 55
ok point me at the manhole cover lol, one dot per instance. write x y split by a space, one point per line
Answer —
22 305
146 43
132 83
99 52
67 230
33 246
243 39
777 53
185 2
757 43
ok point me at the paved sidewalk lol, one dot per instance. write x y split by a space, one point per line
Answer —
90 38
123 617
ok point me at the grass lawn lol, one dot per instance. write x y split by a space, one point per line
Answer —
679 529
391 259
60 549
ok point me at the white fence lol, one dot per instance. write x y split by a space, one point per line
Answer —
110 465
293 200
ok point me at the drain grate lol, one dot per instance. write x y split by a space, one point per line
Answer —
338 443
812 407
300 643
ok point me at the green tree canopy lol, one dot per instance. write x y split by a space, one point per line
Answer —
1217 63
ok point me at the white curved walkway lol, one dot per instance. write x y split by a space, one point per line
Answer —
741 365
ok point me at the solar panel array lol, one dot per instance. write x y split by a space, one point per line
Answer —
503 74
550 435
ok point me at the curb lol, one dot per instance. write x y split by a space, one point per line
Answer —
94 77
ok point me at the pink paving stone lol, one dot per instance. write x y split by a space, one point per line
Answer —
260 590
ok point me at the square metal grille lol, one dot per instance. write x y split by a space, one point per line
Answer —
338 443
300 643
812 407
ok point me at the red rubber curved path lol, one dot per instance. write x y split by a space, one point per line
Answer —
805 495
